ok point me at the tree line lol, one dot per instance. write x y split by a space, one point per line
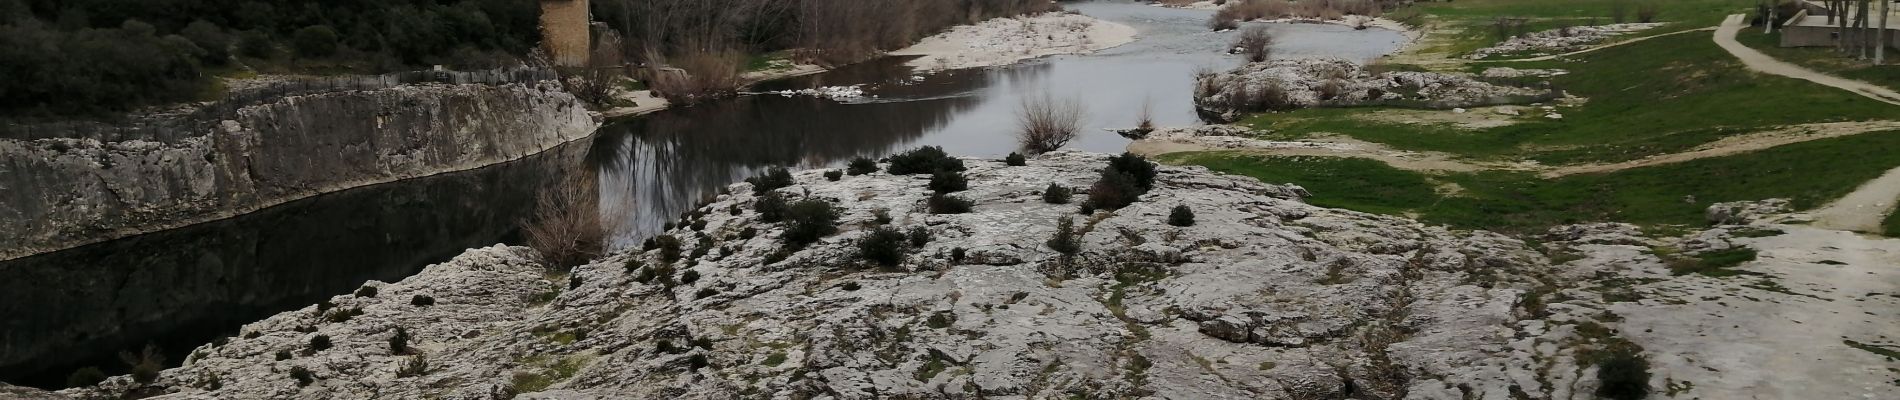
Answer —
66 57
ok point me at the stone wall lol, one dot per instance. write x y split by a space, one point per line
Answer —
564 31
62 193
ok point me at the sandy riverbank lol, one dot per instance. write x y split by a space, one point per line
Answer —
1004 41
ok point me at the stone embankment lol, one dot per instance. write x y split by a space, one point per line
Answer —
1286 84
1263 296
59 193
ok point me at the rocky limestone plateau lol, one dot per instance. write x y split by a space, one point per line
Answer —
59 193
1285 84
1262 297
1559 40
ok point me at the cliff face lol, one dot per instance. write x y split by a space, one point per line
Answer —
60 193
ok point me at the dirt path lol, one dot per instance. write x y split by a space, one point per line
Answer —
1862 210
1755 60
1738 144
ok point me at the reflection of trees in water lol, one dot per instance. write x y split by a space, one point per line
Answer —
668 162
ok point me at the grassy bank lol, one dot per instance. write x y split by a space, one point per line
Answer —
1471 20
1810 174
1823 59
1654 97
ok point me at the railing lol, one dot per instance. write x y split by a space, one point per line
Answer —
201 118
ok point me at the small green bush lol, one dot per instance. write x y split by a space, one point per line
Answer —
925 160
669 248
414 366
314 41
774 178
707 292
1115 190
1137 167
834 175
808 221
689 277
957 254
1181 216
1015 160
883 246
851 286
919 236
399 342
748 233
771 207
881 216
319 343
948 182
283 355
422 300
255 44
1056 194
302 375
697 361
1624 375
861 166
85 377
1064 240
366 291
947 204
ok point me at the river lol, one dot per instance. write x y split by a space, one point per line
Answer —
188 286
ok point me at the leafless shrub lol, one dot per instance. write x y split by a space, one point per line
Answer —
1256 43
568 226
699 76
1145 122
1646 12
1223 20
1048 123
592 85
1331 89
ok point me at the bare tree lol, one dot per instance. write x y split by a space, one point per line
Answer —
569 227
1048 123
1880 49
1145 122
1256 42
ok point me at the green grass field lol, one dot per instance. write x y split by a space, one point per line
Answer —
1824 59
1809 173
1472 19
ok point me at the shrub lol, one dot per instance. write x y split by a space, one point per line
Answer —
774 178
708 74
924 160
302 375
1064 240
948 182
1015 159
399 342
704 293
422 300
697 361
834 175
669 248
946 204
1137 167
689 277
338 316
85 377
881 216
1256 43
366 291
210 38
1115 190
919 236
884 246
1181 216
1048 123
851 286
283 355
414 366
314 41
861 166
957 254
319 343
771 207
1646 12
748 233
1624 375
1057 194
809 220
1223 20
567 227
255 44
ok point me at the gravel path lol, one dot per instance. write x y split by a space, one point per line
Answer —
1755 60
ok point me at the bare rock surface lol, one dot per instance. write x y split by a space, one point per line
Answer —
1285 84
1263 297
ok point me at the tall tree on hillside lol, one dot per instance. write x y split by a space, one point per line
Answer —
1880 47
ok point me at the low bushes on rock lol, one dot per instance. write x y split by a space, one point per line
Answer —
414 366
773 179
669 248
303 375
919 236
85 377
1064 241
1056 194
861 166
1181 215
947 204
924 160
1123 182
399 341
366 291
809 220
771 207
883 246
834 175
319 343
422 300
1623 375
1015 160
948 182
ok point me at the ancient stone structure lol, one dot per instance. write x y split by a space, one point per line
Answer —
565 33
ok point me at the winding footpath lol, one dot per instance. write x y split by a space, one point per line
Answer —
1755 60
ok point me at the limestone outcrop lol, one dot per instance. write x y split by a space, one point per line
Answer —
1286 84
61 192
1263 296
